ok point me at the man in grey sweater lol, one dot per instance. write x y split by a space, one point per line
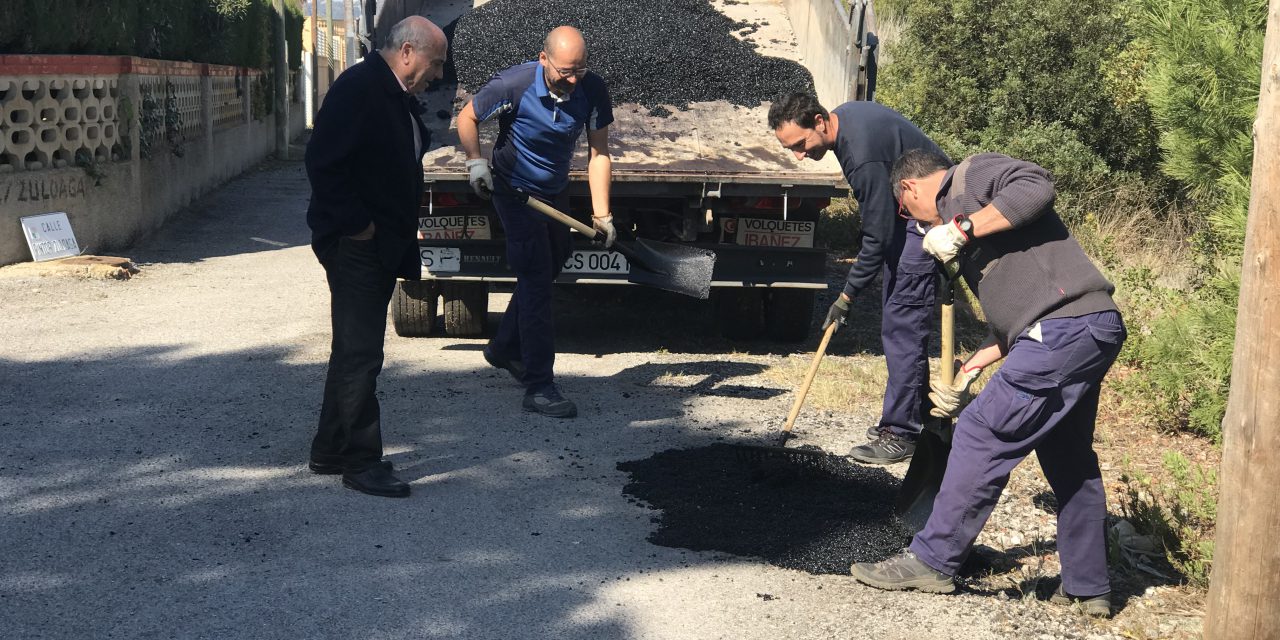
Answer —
1051 315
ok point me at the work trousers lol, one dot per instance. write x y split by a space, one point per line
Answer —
360 287
537 248
910 278
1044 399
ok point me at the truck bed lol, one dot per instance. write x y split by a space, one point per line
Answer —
709 142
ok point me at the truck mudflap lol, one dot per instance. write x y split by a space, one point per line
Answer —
736 266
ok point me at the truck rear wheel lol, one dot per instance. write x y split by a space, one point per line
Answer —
466 308
788 314
739 313
413 308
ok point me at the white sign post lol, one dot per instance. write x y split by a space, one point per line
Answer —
49 236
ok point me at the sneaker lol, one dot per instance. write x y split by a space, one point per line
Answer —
901 572
887 448
874 431
513 367
549 402
1096 606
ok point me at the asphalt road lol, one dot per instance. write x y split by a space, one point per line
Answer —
152 482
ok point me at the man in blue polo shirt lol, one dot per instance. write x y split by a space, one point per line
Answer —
542 108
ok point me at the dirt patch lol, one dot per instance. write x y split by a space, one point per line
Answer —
815 519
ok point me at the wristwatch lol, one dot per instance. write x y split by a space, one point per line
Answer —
965 225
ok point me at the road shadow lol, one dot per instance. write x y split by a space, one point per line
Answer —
153 489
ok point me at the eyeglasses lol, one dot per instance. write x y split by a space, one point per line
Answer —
577 73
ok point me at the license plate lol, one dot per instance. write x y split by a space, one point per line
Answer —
596 262
441 259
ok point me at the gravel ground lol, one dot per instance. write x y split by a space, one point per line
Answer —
153 483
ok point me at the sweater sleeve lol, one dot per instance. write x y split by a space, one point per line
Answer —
870 185
1021 190
331 157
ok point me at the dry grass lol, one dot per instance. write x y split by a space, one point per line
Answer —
843 383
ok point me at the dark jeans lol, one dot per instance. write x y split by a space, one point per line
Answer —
537 248
910 282
360 288
1044 398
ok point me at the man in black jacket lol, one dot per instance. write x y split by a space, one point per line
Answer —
364 162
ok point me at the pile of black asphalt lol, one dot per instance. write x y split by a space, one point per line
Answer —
818 518
672 52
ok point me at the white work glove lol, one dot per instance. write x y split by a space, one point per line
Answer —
945 241
604 225
481 177
949 400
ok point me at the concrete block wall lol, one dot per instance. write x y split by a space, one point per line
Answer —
60 112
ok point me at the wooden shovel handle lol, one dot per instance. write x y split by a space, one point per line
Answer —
952 282
561 217
808 378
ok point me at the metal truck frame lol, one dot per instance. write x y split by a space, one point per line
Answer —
712 176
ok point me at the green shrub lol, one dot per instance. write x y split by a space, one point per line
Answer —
984 70
1180 511
234 32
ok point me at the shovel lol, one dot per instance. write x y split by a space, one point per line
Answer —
671 267
929 463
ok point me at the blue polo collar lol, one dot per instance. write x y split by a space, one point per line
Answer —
540 81
540 85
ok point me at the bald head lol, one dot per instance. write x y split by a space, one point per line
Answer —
564 59
565 42
415 50
418 31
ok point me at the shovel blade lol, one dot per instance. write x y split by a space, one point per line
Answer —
671 267
924 477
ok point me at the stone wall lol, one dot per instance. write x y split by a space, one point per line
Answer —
120 143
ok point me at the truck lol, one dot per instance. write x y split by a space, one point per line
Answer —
712 176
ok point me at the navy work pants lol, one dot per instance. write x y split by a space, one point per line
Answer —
1043 399
537 248
360 287
910 283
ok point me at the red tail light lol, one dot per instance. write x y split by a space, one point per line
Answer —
445 199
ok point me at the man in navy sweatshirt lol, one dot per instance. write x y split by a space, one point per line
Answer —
866 138
1051 316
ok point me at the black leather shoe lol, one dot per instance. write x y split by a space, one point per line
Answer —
333 469
376 481
513 367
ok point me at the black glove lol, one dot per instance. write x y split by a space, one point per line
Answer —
839 312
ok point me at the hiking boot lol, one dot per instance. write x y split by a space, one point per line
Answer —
549 402
1096 606
874 431
887 448
901 572
513 367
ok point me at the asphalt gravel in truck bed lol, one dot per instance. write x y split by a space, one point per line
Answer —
818 520
672 52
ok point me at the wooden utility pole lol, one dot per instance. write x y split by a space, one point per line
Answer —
281 84
1244 588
